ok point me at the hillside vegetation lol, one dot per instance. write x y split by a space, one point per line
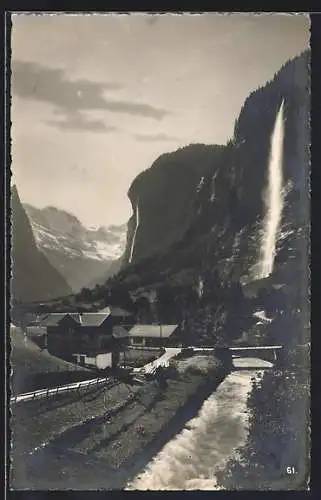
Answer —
33 368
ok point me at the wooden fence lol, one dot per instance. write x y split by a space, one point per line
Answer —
46 393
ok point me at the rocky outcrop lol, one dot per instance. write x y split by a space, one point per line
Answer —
164 195
33 277
220 243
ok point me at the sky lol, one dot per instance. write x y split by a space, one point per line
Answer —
97 98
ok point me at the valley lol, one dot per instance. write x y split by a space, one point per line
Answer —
216 251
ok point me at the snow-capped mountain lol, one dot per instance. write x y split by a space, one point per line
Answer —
81 254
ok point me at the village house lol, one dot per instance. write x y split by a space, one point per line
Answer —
93 338
118 315
151 336
97 338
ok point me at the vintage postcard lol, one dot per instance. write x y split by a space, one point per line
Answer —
160 319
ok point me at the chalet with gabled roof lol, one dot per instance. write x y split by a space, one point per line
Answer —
154 336
89 333
96 338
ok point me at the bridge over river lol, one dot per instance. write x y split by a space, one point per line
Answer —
271 353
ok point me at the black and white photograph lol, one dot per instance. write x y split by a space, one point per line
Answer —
160 244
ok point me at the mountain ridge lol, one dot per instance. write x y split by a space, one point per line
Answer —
196 277
82 254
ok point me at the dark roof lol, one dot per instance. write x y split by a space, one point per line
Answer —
157 331
54 319
118 311
115 311
74 316
105 310
93 319
119 332
86 318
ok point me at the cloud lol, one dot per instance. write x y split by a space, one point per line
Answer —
155 137
78 121
40 83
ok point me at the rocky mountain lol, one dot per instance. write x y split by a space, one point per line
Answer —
161 208
33 276
218 244
82 255
192 252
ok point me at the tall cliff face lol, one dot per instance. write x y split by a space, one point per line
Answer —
163 197
221 241
33 277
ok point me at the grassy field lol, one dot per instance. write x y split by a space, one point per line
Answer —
33 368
101 438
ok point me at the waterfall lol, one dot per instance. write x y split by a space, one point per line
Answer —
200 184
274 199
200 288
213 187
135 232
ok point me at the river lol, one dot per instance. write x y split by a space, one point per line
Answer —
191 459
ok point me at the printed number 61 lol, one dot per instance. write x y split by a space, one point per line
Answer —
290 470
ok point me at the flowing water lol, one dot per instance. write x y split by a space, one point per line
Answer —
191 459
274 199
134 235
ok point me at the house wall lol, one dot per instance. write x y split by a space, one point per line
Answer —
69 338
57 343
104 360
155 342
174 340
105 341
35 330
101 361
90 360
123 320
137 341
60 338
